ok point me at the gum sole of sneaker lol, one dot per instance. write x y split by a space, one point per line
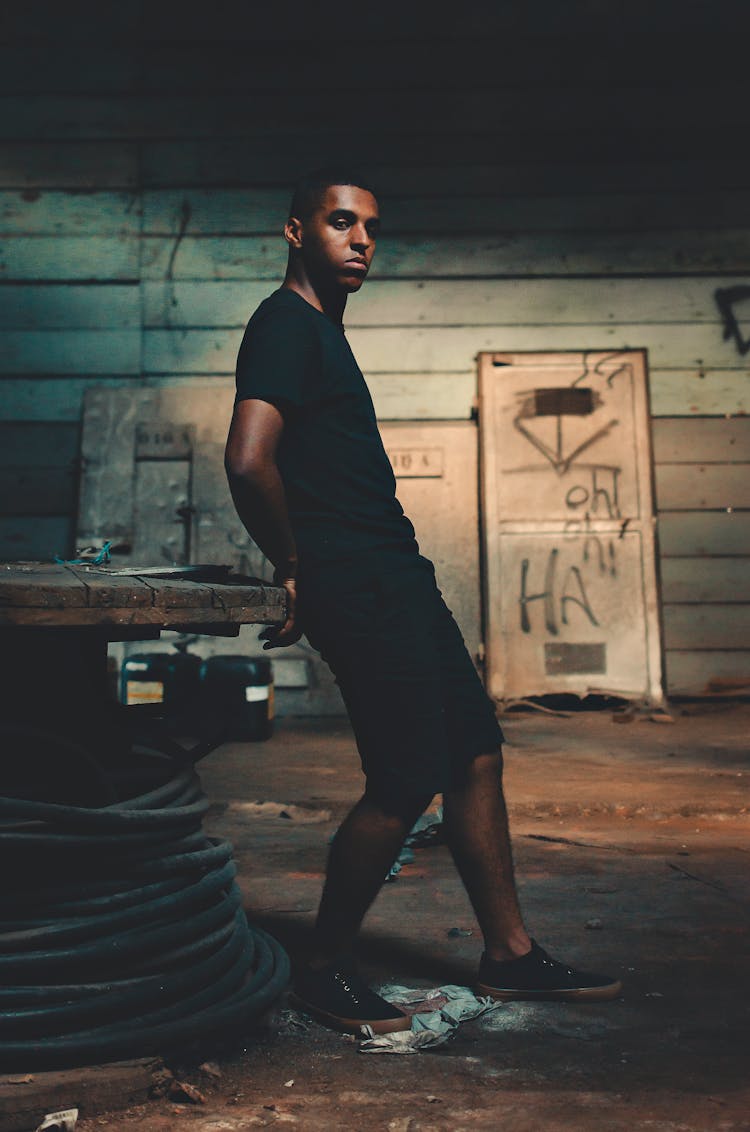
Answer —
351 1025
576 994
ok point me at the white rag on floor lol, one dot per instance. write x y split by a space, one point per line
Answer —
436 1015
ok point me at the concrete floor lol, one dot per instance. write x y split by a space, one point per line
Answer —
632 854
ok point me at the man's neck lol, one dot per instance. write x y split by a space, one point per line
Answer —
330 302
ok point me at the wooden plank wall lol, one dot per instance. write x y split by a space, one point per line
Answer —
551 177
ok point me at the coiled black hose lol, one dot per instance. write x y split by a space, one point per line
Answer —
122 932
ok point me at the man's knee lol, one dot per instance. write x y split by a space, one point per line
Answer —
485 769
396 803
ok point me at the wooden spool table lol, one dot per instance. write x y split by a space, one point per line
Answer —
56 621
55 624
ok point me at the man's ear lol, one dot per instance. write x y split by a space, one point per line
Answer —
293 232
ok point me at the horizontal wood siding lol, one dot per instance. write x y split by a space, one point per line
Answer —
146 158
38 488
718 487
699 581
488 256
34 538
703 494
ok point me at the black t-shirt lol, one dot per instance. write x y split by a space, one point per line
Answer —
340 487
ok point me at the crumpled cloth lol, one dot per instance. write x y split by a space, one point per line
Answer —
436 1015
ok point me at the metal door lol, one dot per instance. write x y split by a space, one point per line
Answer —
571 597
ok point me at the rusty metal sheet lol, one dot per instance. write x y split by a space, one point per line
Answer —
153 475
161 513
571 595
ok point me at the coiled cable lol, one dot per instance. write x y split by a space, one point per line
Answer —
122 932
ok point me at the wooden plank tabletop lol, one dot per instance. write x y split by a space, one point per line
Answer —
42 594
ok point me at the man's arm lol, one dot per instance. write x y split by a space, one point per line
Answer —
258 494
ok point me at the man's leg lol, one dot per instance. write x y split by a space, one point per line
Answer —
476 824
513 965
363 850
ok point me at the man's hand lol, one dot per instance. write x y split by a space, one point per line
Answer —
279 636
258 493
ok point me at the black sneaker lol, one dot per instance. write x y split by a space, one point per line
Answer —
537 975
338 997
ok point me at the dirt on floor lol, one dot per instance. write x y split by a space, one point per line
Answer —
632 853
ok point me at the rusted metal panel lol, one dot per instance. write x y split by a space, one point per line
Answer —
161 512
218 536
106 496
571 595
154 476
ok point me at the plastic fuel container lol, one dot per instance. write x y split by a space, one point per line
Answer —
167 678
238 690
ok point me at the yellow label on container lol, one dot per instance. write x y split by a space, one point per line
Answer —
144 692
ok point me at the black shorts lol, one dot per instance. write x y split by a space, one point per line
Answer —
418 708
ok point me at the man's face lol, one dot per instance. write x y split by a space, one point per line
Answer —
338 240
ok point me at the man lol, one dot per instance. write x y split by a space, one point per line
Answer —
313 486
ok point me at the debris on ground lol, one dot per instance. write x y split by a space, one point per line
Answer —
303 815
180 1089
161 1082
63 1121
211 1069
436 1015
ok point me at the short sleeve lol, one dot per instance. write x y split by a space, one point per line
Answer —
277 359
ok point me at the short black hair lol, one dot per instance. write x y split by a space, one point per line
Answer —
309 190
